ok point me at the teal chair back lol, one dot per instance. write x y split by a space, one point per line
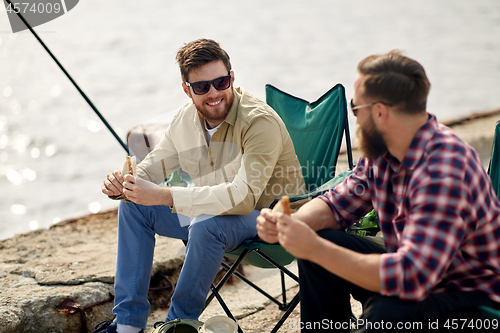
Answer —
316 130
494 167
494 172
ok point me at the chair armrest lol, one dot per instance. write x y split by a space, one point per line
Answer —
318 191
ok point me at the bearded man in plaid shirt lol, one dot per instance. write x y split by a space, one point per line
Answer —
439 258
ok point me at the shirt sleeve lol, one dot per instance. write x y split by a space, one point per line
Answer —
351 199
432 234
161 161
262 144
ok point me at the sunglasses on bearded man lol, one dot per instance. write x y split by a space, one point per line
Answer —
202 87
355 108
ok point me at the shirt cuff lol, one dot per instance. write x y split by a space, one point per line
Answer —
337 216
390 271
183 200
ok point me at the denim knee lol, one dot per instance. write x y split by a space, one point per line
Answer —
206 229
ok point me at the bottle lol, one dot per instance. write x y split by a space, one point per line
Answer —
176 179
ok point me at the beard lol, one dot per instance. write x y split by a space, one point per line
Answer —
218 114
371 141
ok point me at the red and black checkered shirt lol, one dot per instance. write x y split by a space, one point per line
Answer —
438 213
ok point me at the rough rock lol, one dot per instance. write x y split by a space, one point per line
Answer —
61 279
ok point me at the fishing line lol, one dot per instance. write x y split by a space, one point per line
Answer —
71 79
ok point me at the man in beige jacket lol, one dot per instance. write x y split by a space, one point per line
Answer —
239 156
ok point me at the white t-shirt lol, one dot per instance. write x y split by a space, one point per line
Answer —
210 132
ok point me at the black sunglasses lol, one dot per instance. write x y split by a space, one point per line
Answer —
355 108
202 87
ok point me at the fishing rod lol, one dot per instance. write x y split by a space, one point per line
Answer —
71 79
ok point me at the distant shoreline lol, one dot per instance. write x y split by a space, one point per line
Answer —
474 116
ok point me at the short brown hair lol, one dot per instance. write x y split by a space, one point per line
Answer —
200 52
396 79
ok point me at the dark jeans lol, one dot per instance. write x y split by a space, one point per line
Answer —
325 299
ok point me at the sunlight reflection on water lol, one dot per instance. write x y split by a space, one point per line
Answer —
55 152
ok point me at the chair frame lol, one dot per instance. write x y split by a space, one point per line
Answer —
231 270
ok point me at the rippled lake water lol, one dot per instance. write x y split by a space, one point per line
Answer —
54 151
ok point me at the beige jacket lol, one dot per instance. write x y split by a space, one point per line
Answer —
250 160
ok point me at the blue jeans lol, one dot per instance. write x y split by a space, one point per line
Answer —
208 239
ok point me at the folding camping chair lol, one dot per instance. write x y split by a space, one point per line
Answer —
316 130
494 172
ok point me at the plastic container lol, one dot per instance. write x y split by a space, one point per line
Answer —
219 324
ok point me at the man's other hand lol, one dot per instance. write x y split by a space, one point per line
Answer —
146 193
113 184
296 236
266 226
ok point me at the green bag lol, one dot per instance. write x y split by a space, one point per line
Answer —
368 226
178 326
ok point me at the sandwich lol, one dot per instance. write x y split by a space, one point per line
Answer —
283 205
130 166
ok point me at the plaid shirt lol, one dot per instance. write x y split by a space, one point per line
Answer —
438 214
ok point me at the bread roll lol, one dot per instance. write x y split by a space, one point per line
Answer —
283 205
130 166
